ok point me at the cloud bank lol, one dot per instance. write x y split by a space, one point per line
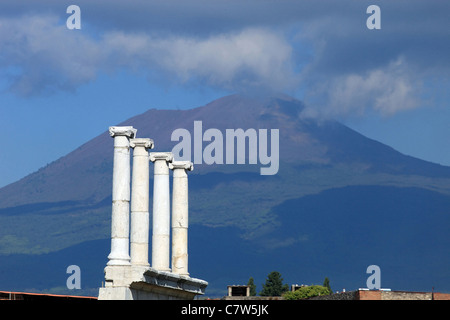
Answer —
251 58
49 57
323 50
386 90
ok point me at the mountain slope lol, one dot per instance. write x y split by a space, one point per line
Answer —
302 141
246 221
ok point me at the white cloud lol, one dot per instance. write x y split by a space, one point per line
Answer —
48 56
250 58
51 57
387 90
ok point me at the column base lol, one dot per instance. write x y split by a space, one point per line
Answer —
115 293
119 255
118 261
146 283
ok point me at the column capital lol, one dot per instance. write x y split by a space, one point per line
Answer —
186 165
128 131
146 143
166 156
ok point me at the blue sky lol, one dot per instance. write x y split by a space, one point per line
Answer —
59 88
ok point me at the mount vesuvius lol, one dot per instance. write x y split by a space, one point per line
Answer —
338 203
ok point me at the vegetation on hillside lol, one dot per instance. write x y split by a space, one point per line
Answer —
306 292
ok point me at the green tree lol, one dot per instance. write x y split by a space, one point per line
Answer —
326 284
252 285
274 285
306 292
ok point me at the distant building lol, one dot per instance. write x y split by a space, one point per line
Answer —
242 292
364 294
238 291
11 295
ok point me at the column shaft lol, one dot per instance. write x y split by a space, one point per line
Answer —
140 202
161 211
120 196
180 216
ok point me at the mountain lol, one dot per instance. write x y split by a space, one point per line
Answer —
338 203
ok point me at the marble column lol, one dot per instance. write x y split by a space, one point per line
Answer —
180 216
120 196
139 232
161 211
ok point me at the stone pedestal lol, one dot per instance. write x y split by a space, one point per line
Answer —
180 216
161 211
120 196
135 283
140 202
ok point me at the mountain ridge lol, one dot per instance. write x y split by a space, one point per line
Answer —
294 132
67 203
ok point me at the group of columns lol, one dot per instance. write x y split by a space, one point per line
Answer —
130 232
